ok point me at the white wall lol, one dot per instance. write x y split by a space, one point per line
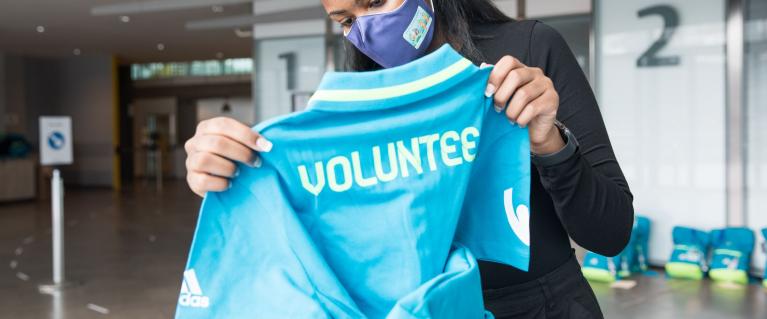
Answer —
756 101
15 95
80 87
86 94
272 96
547 8
667 123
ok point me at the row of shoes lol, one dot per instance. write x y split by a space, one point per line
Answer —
723 254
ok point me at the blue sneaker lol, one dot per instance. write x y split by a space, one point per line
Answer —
731 258
641 255
688 259
600 268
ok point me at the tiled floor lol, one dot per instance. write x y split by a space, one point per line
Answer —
127 252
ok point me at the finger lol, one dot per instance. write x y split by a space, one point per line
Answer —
210 163
189 145
537 107
515 79
202 183
523 96
499 73
236 131
225 147
528 114
190 180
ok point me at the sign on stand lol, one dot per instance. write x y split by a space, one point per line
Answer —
55 140
56 149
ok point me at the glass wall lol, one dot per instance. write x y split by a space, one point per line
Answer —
756 119
661 86
288 71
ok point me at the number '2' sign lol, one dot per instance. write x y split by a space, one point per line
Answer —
650 58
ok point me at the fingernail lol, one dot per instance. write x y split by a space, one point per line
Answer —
230 186
498 109
263 145
257 162
490 90
236 172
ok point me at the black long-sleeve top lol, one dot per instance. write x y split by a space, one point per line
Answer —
586 196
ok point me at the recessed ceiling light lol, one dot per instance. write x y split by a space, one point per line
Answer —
40 29
161 47
125 19
76 52
217 8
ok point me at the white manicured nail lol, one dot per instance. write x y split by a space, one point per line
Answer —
490 90
257 162
264 145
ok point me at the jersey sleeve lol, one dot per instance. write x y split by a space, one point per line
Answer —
250 255
495 220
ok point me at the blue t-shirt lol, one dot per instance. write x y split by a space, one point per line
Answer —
374 202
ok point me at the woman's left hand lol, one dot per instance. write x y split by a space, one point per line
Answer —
532 101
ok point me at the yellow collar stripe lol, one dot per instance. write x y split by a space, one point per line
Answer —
392 91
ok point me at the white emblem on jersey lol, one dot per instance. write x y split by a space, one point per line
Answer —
519 218
191 293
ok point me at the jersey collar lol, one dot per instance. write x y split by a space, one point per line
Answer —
422 78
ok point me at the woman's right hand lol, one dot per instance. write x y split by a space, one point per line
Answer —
213 150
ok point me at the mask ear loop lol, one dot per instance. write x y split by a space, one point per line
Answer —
433 9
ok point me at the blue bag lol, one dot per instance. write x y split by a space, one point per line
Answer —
731 255
688 258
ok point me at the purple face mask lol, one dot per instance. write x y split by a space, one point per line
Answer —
397 37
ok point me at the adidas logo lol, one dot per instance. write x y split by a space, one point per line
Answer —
191 293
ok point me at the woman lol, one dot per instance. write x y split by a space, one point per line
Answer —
577 190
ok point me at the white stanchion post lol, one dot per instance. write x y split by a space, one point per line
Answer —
57 236
57 226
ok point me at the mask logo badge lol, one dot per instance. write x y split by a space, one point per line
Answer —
416 31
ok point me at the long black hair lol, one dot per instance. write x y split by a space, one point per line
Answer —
453 21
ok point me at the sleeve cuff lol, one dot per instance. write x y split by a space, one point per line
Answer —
571 147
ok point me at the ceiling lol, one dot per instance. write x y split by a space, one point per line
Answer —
71 26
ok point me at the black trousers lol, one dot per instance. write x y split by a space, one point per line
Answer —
562 293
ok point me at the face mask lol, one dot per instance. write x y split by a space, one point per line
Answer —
397 37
